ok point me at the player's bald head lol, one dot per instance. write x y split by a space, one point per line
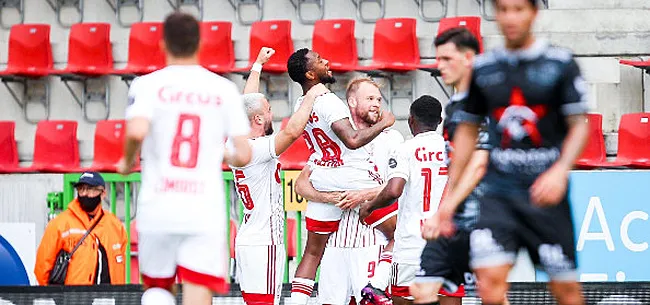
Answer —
253 103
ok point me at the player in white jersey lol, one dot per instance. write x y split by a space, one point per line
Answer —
353 253
260 252
180 116
417 175
337 162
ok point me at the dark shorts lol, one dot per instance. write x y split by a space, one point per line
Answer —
446 261
508 221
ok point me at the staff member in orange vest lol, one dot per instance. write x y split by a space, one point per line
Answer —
100 256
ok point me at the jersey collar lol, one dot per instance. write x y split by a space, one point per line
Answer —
427 133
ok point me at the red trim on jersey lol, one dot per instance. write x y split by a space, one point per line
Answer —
400 291
319 226
257 298
458 294
378 216
164 283
216 284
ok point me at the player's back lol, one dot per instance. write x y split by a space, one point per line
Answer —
328 151
260 190
191 112
421 161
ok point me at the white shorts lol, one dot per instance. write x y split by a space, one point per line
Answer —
260 270
344 272
401 278
324 217
196 258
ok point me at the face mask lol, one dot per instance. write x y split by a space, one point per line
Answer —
89 204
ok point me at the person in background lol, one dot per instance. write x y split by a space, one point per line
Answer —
100 258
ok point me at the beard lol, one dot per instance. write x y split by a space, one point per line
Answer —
369 118
327 79
268 130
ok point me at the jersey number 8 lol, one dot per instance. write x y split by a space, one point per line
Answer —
187 135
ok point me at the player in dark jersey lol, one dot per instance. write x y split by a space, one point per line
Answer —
534 96
445 260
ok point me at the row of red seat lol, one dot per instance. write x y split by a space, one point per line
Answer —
56 148
90 54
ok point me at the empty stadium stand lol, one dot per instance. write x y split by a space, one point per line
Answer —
145 55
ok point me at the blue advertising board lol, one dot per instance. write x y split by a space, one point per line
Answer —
612 229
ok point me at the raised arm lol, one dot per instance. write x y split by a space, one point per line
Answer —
353 138
253 81
298 120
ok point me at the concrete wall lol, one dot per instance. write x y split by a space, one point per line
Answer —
599 31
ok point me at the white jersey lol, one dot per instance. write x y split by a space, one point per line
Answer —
260 190
327 149
191 113
421 162
352 233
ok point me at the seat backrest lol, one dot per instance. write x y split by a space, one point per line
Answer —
216 44
56 143
395 41
595 148
30 48
634 136
334 40
89 46
296 156
109 141
8 150
144 46
472 23
275 34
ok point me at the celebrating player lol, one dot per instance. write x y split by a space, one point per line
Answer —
446 260
353 254
260 251
535 99
337 162
181 115
417 175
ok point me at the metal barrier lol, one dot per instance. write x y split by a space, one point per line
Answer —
293 202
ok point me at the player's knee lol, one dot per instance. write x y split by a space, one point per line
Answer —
567 293
492 290
423 290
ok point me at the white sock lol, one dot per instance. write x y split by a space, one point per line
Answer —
382 272
157 296
301 291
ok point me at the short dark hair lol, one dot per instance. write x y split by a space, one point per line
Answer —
427 110
532 2
297 66
182 34
459 36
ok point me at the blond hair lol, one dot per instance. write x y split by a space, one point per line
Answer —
354 85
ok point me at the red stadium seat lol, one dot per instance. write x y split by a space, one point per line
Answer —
55 147
472 23
334 40
145 54
275 34
594 155
233 236
634 140
109 145
8 150
637 63
395 46
291 238
30 52
296 156
89 50
216 53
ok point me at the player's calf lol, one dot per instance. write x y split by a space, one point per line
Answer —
425 293
303 282
567 293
